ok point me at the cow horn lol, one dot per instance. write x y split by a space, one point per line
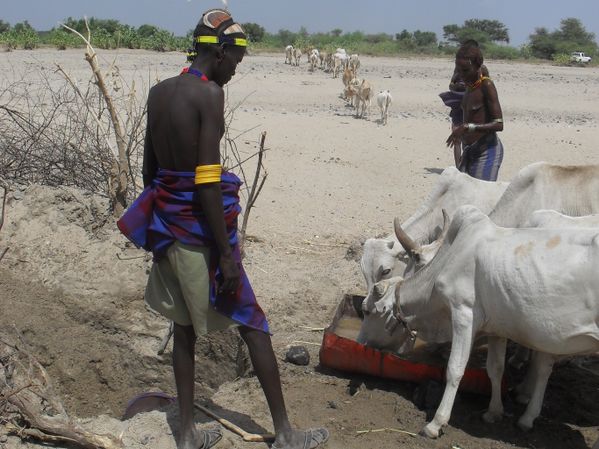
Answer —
409 245
446 221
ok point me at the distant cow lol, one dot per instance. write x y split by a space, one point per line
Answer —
289 54
297 56
383 100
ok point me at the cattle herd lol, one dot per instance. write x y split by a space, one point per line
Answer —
487 262
480 263
357 92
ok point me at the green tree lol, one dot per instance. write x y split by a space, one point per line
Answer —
571 36
336 32
303 32
255 32
494 29
4 26
405 35
572 30
147 31
63 39
22 27
450 33
542 44
481 30
286 37
425 38
376 38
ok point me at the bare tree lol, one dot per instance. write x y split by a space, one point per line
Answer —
120 169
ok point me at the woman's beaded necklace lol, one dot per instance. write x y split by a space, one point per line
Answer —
475 85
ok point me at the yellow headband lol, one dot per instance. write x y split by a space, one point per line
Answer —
240 42
206 174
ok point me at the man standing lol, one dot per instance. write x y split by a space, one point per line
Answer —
187 216
482 150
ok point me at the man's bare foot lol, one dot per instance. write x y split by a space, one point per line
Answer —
200 439
308 439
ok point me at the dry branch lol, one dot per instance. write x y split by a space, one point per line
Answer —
2 214
4 195
30 408
256 188
119 173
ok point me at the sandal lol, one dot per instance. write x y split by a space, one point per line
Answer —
210 437
313 438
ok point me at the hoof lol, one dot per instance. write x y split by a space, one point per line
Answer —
490 417
430 431
525 424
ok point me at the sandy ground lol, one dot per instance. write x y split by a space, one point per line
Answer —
74 287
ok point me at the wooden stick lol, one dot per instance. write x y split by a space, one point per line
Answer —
386 429
313 329
299 342
250 437
3 253
166 338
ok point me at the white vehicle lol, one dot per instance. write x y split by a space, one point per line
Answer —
579 56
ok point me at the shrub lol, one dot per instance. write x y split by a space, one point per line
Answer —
562 59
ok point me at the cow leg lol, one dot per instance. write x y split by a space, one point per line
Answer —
542 364
461 345
525 388
495 367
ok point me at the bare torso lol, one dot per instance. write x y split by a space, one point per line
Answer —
176 108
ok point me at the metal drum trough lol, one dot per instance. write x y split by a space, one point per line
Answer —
341 351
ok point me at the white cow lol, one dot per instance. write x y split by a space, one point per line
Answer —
297 56
552 219
340 61
383 100
354 63
313 59
573 190
506 283
289 54
385 258
363 98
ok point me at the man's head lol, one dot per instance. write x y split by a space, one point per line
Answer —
218 36
469 60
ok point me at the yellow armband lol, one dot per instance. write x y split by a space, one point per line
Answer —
206 174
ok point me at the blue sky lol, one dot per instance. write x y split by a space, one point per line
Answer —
371 16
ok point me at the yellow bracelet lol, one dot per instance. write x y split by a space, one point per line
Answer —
206 174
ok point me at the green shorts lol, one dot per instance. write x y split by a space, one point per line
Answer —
178 289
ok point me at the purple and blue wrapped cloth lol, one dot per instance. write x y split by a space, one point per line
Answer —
453 99
168 210
482 159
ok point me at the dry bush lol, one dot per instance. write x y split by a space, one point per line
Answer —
55 131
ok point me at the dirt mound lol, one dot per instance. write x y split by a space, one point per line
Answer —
81 308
